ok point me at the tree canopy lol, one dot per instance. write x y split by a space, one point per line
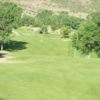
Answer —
87 38
10 14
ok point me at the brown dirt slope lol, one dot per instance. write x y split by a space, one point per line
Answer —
31 7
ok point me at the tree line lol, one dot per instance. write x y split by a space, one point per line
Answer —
86 37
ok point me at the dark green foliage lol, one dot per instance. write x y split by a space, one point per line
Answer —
74 22
65 19
45 18
9 18
27 21
57 21
95 17
87 38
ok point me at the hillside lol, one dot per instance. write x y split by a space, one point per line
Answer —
78 8
49 56
80 5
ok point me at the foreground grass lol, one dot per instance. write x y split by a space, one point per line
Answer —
47 71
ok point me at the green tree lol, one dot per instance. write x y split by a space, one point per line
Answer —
95 17
10 14
87 38
43 18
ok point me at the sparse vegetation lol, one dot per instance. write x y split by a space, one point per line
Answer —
80 5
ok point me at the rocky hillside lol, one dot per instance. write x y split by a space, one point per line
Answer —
79 8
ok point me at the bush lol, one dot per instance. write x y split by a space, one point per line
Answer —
65 30
95 17
63 19
43 18
87 38
44 29
27 21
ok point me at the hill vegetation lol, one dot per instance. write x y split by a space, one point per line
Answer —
50 56
80 5
78 8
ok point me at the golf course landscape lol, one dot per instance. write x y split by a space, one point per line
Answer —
45 69
49 49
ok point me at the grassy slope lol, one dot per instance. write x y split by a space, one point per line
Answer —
47 72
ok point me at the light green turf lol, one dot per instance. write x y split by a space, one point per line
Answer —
46 70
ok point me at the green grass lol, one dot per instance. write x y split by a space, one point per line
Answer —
46 70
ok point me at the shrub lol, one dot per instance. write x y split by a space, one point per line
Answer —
95 17
63 19
43 18
87 38
65 30
27 21
44 29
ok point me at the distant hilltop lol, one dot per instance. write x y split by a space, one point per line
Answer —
79 8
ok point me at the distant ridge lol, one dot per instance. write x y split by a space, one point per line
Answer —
79 8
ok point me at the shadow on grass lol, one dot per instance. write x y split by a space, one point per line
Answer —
15 45
1 98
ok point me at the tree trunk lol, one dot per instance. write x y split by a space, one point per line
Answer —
2 47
